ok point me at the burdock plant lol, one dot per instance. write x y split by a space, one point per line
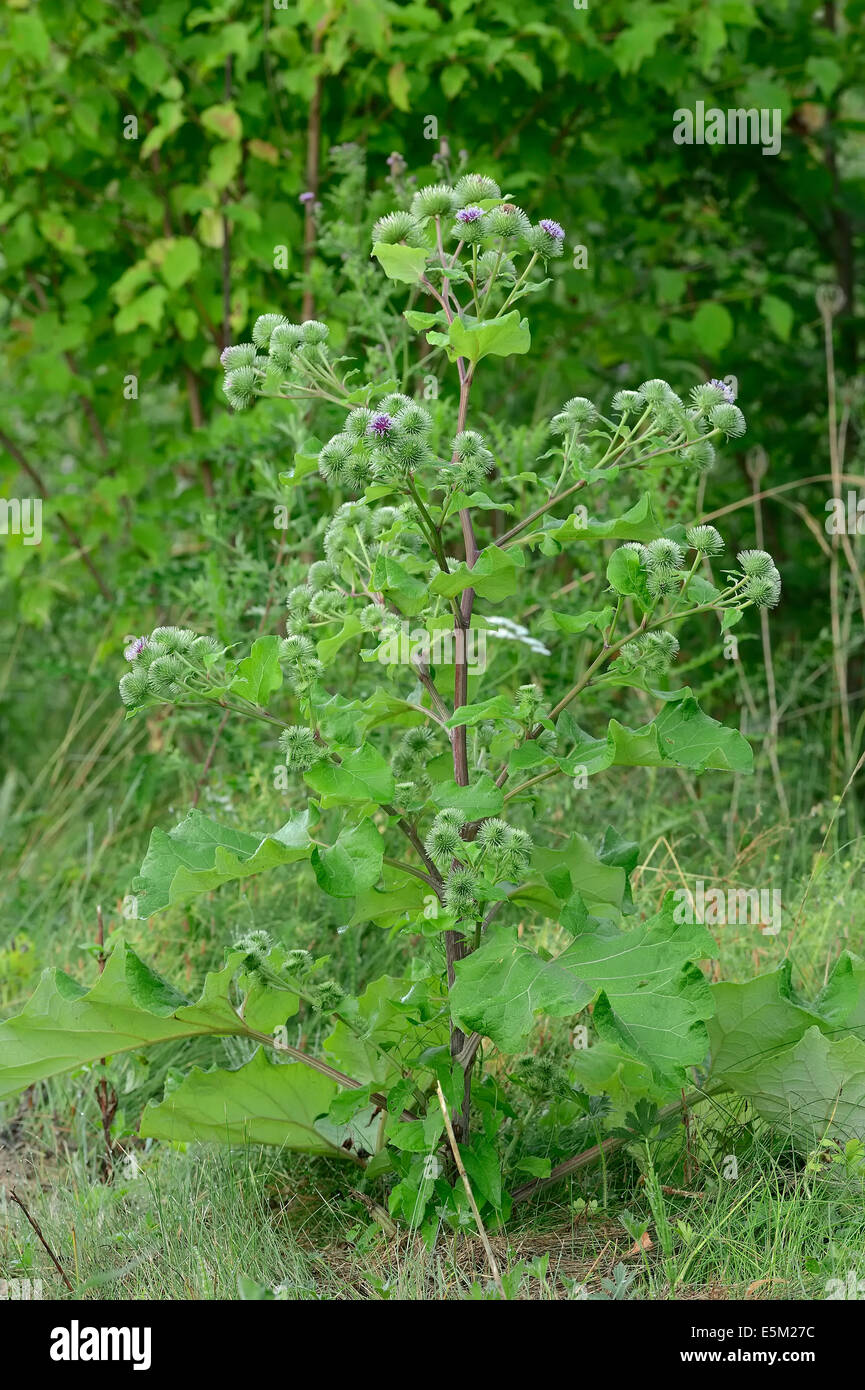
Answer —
420 783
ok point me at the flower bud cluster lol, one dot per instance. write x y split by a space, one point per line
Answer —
388 443
171 664
279 350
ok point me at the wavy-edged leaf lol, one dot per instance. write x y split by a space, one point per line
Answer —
652 1001
199 855
496 574
65 1025
259 675
263 1102
501 337
403 263
363 775
352 864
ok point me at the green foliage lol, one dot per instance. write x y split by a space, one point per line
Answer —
408 803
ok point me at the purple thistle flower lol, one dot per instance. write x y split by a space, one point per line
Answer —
380 425
470 214
306 197
135 648
553 229
729 393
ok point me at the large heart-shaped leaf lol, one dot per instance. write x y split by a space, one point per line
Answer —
403 263
199 855
263 1102
66 1025
496 574
477 338
651 999
352 864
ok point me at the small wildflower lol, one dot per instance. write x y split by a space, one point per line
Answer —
307 197
553 229
436 200
238 355
381 426
659 649
663 554
701 454
239 387
135 648
299 746
547 239
726 390
576 414
134 687
397 226
625 402
264 326
494 836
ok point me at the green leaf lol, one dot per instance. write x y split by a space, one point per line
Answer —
66 1025
352 864
222 121
681 736
639 41
199 855
262 1102
304 464
496 575
753 1021
478 338
398 86
825 72
328 647
638 523
484 1167
652 1000
576 623
501 988
812 1090
259 675
778 314
418 320
482 798
802 1066
692 739
712 327
497 707
403 263
626 576
535 1167
409 593
453 79
170 114
363 775
148 308
398 900
389 1010
576 868
176 258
